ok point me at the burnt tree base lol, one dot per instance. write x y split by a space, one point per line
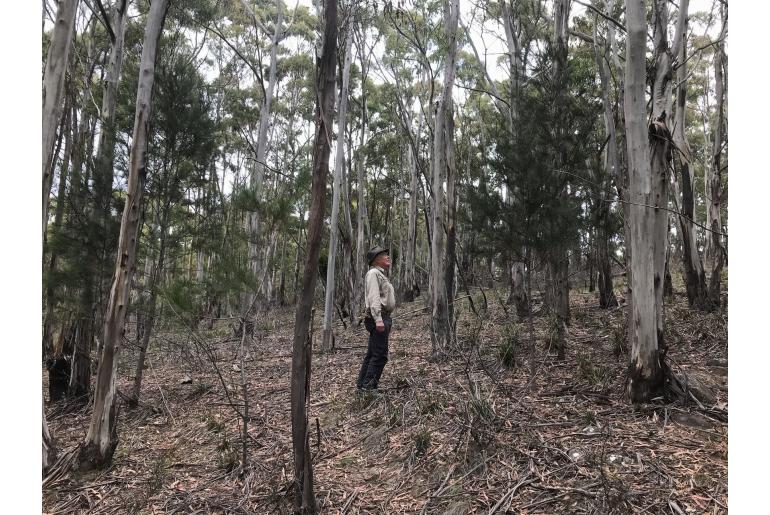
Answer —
90 458
59 370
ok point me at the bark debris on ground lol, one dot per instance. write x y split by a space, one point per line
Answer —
500 425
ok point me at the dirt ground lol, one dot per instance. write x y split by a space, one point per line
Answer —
466 434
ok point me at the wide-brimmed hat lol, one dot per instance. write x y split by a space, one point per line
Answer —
374 252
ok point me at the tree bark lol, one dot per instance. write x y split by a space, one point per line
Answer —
441 324
350 298
105 154
102 437
612 169
714 238
558 259
50 297
645 370
694 274
304 498
519 283
362 214
149 316
53 85
257 177
339 160
410 278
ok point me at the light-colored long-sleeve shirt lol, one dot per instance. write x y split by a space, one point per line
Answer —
378 293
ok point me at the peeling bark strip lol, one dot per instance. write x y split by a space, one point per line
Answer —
304 498
53 85
102 437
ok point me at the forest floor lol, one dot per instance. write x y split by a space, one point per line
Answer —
462 435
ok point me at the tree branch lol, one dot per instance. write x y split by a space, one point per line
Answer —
608 18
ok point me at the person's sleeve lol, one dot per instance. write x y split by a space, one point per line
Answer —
373 297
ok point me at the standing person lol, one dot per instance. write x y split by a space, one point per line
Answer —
380 301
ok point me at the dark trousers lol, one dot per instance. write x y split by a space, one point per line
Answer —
376 353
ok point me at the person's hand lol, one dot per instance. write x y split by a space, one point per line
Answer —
380 326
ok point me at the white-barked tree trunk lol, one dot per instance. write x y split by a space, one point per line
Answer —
102 437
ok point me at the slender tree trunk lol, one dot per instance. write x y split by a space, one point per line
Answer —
558 260
53 85
304 498
297 257
612 169
621 170
441 324
362 213
102 437
714 238
105 154
50 296
451 215
339 160
79 206
149 315
282 287
410 277
520 296
258 176
350 297
694 275
80 377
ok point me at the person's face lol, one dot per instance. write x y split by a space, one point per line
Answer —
383 260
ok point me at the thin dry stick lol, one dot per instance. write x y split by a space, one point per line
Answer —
511 492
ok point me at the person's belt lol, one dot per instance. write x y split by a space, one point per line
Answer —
383 311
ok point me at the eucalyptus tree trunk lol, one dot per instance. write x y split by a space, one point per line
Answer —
53 85
151 308
282 286
645 366
451 216
714 239
362 214
304 497
350 298
339 160
78 207
514 56
661 151
102 437
621 170
694 275
441 324
257 178
410 278
297 257
105 154
50 297
519 291
558 258
612 169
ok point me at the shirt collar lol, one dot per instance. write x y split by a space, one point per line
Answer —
379 268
